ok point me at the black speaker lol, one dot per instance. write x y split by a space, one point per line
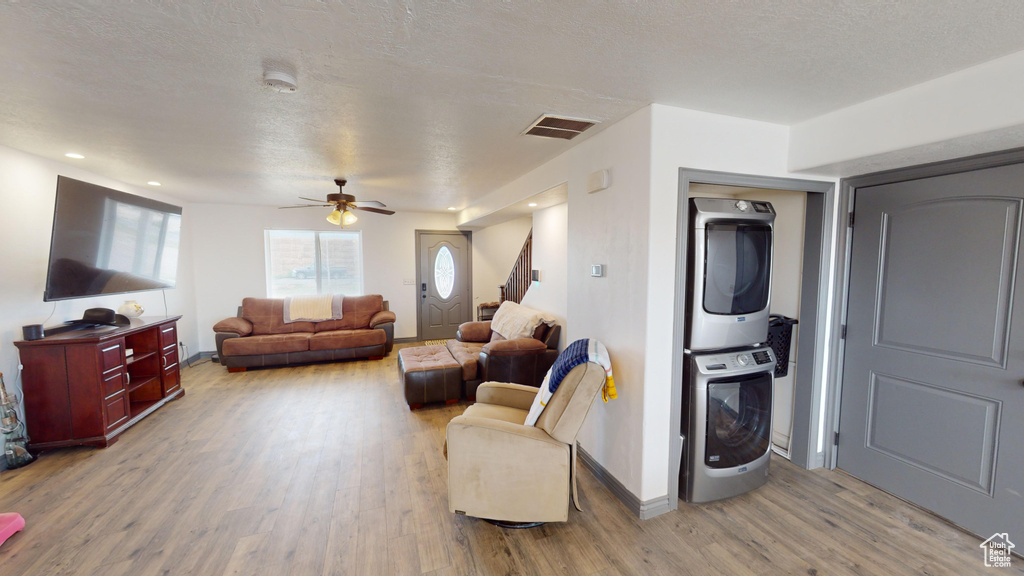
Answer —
32 331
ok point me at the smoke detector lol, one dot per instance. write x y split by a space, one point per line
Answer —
280 81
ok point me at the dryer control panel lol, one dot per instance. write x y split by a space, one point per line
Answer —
738 361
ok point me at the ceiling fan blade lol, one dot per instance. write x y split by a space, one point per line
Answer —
374 203
306 206
311 199
368 209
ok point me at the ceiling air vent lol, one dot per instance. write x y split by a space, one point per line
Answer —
558 127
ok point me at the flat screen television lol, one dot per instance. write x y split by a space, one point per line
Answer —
110 242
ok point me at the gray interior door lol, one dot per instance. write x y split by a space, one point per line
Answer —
444 283
932 402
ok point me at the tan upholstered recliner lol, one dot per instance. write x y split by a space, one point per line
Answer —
499 469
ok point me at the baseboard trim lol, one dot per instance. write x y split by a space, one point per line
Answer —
201 356
643 510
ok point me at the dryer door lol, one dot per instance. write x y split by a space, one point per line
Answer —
737 268
739 423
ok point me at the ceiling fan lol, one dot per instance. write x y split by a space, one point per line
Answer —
343 205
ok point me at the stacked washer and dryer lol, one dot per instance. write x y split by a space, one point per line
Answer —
728 372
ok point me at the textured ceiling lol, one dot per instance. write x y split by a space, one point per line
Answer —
420 104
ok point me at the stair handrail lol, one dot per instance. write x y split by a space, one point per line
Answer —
519 278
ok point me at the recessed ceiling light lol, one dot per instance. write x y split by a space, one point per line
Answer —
532 204
74 155
153 183
452 208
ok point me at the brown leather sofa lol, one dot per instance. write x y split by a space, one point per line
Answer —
259 337
485 355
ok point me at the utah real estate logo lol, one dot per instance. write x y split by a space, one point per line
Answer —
997 550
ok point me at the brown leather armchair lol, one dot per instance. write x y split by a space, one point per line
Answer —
486 356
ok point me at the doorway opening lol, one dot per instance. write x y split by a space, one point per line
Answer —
805 211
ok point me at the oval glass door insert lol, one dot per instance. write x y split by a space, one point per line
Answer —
444 272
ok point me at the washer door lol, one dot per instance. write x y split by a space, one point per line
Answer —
737 268
739 420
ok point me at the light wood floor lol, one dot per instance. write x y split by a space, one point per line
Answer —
323 470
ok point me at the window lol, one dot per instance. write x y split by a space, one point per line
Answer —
303 262
444 273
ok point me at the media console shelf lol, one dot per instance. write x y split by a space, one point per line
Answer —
81 388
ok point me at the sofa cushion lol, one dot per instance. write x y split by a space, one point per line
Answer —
267 317
266 344
517 347
335 339
496 412
466 354
356 312
516 321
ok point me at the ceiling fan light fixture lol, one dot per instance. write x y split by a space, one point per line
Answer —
348 218
335 217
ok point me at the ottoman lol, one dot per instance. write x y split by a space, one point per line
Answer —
430 374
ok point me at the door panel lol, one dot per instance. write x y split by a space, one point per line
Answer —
964 454
932 397
910 322
444 280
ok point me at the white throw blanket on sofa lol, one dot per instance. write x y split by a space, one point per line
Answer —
312 308
515 321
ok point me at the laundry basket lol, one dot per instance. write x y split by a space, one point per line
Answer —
780 338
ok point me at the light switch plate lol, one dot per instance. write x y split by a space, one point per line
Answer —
597 270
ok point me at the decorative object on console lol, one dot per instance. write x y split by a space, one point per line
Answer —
104 316
131 309
32 331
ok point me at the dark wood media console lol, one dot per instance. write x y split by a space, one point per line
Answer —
81 387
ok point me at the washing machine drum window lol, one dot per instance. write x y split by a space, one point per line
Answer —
739 421
737 271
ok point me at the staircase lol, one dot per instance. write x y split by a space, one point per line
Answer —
519 279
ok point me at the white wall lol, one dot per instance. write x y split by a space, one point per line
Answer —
28 185
495 250
550 256
229 262
610 228
972 111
